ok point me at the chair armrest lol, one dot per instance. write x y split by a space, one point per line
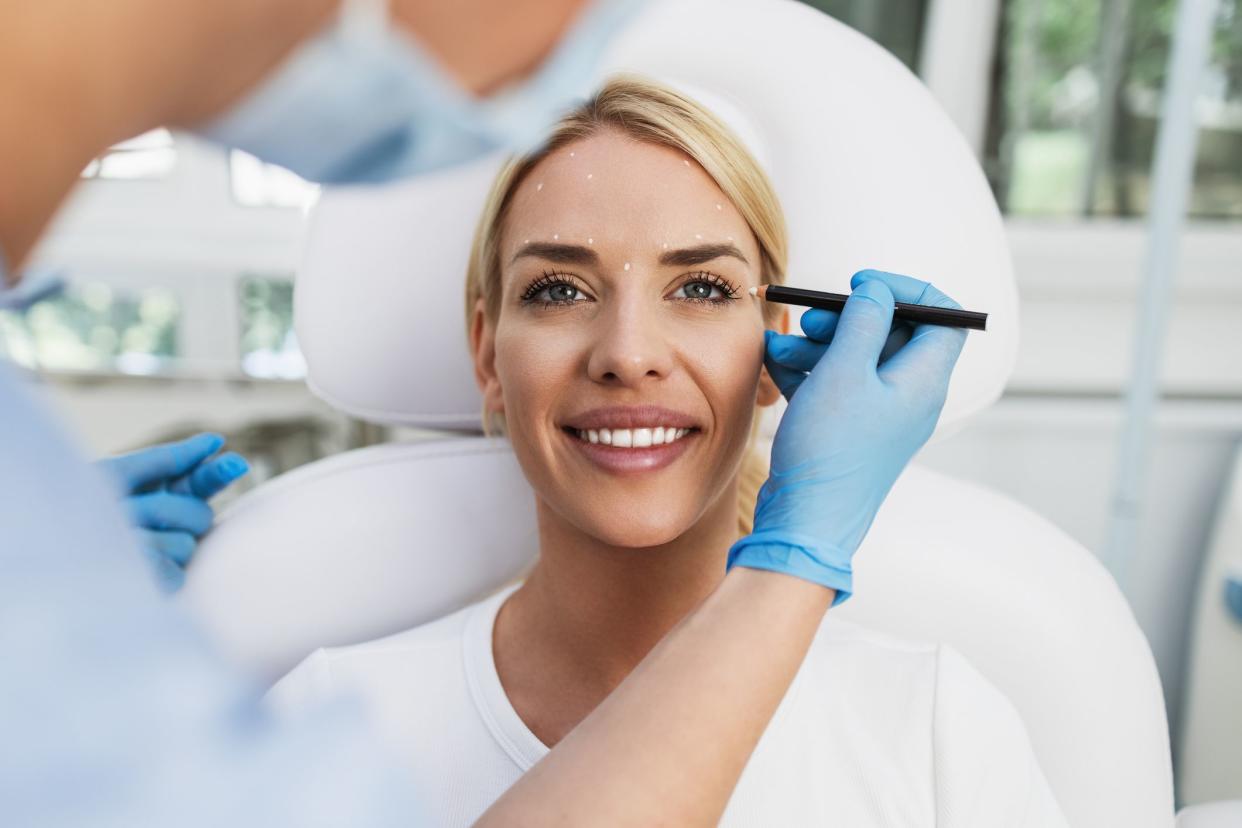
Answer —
1223 814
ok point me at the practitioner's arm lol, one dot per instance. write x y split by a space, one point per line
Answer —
77 76
669 744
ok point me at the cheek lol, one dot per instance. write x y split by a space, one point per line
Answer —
726 365
533 365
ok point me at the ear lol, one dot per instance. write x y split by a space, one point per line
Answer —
483 352
768 392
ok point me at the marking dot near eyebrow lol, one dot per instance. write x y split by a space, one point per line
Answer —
666 245
526 242
590 241
539 186
627 265
571 155
697 236
556 236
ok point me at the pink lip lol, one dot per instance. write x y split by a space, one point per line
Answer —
631 460
630 416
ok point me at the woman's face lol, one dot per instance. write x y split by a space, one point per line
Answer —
627 354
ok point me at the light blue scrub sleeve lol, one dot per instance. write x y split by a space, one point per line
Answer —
113 710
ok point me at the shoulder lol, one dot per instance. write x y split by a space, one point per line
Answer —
391 665
860 658
987 772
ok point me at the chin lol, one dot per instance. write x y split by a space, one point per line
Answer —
626 529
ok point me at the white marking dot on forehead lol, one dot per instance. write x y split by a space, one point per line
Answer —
590 241
590 176
718 207
527 241
684 161
697 236
666 245
556 236
627 265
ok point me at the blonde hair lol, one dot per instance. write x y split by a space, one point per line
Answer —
649 112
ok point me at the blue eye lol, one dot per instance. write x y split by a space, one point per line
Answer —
702 290
551 289
708 288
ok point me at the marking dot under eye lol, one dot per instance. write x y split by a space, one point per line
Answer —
539 186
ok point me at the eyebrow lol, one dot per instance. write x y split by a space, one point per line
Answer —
578 255
701 254
559 253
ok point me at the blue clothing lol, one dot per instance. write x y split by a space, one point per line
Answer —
113 709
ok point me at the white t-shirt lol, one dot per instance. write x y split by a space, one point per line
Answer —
874 731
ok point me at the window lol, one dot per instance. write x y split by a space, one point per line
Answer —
269 347
1074 124
897 25
150 155
258 184
94 327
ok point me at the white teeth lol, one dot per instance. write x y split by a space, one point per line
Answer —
632 437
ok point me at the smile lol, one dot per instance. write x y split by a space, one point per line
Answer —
631 450
632 437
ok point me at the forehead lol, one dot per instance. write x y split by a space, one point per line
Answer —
614 189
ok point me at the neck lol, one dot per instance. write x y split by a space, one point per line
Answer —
591 611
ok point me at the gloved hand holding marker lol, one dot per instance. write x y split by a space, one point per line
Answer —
863 398
165 489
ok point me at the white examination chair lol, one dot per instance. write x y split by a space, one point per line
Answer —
871 174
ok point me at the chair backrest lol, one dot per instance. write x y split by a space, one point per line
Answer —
871 173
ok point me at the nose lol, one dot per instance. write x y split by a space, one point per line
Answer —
631 345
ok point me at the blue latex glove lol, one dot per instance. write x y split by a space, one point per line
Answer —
165 490
864 396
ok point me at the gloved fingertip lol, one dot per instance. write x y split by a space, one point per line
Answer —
212 439
233 466
876 291
862 276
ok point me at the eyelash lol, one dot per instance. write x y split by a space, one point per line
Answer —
552 278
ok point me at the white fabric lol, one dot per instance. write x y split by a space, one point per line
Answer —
875 731
870 171
351 548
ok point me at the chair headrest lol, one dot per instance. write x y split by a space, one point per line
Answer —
870 171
